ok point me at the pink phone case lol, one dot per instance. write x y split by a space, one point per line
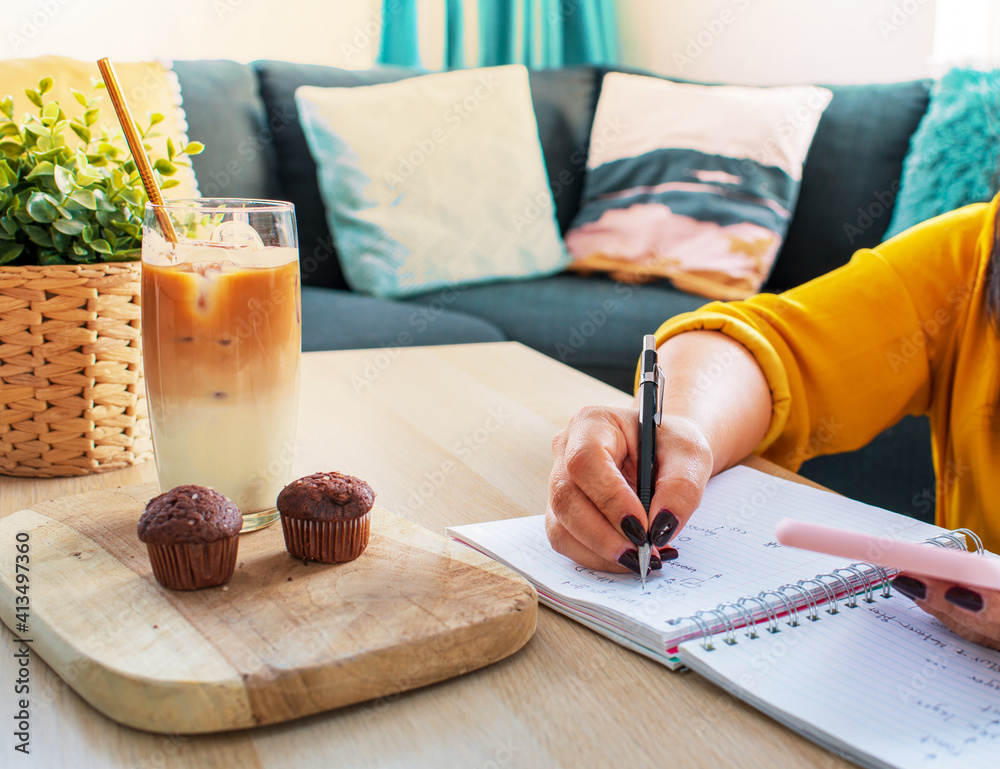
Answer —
963 568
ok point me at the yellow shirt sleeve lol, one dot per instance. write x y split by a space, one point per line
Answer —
850 353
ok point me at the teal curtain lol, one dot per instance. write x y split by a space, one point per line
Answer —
454 35
536 33
591 37
400 43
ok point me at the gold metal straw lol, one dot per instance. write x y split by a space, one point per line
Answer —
135 146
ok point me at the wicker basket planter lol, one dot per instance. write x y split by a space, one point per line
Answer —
72 398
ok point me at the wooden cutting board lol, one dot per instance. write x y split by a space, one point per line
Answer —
282 640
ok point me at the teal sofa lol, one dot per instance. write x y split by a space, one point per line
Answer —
246 116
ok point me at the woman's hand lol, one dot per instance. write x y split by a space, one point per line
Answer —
594 515
973 613
716 409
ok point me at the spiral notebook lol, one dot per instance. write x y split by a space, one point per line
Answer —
775 625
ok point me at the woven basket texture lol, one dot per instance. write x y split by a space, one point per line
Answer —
72 398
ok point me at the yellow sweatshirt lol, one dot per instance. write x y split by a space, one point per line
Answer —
901 329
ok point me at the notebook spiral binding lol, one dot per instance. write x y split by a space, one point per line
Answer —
867 578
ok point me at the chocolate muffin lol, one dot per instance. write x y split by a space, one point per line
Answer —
192 535
325 517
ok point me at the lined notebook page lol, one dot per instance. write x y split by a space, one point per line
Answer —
727 551
884 683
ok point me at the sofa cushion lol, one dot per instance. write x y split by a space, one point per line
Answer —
342 320
851 178
564 102
296 168
593 324
226 114
433 181
954 155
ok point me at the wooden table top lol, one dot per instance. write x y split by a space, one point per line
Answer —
445 435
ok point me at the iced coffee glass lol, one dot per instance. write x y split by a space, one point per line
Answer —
221 336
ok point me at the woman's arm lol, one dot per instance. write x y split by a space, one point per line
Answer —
716 410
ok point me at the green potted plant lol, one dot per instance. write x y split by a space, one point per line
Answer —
72 400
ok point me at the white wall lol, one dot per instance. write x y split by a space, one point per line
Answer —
748 41
967 32
780 41
341 33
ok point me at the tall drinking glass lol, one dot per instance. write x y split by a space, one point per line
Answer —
222 340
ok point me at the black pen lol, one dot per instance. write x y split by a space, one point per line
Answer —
650 409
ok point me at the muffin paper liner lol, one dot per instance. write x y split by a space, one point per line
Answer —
326 541
192 567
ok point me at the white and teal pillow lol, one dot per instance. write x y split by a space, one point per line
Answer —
433 181
692 183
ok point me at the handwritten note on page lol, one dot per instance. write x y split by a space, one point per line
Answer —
884 683
727 551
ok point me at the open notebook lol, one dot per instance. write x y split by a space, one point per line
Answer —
898 689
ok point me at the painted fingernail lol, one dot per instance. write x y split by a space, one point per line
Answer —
655 564
662 528
668 553
633 529
910 587
630 560
964 598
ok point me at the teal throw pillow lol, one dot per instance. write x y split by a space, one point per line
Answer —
954 155
434 181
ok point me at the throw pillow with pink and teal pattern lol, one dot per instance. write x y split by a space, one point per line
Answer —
692 183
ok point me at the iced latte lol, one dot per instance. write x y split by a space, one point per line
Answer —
221 332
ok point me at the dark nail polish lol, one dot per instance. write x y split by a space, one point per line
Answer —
964 598
668 553
662 528
910 587
655 564
633 529
630 560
